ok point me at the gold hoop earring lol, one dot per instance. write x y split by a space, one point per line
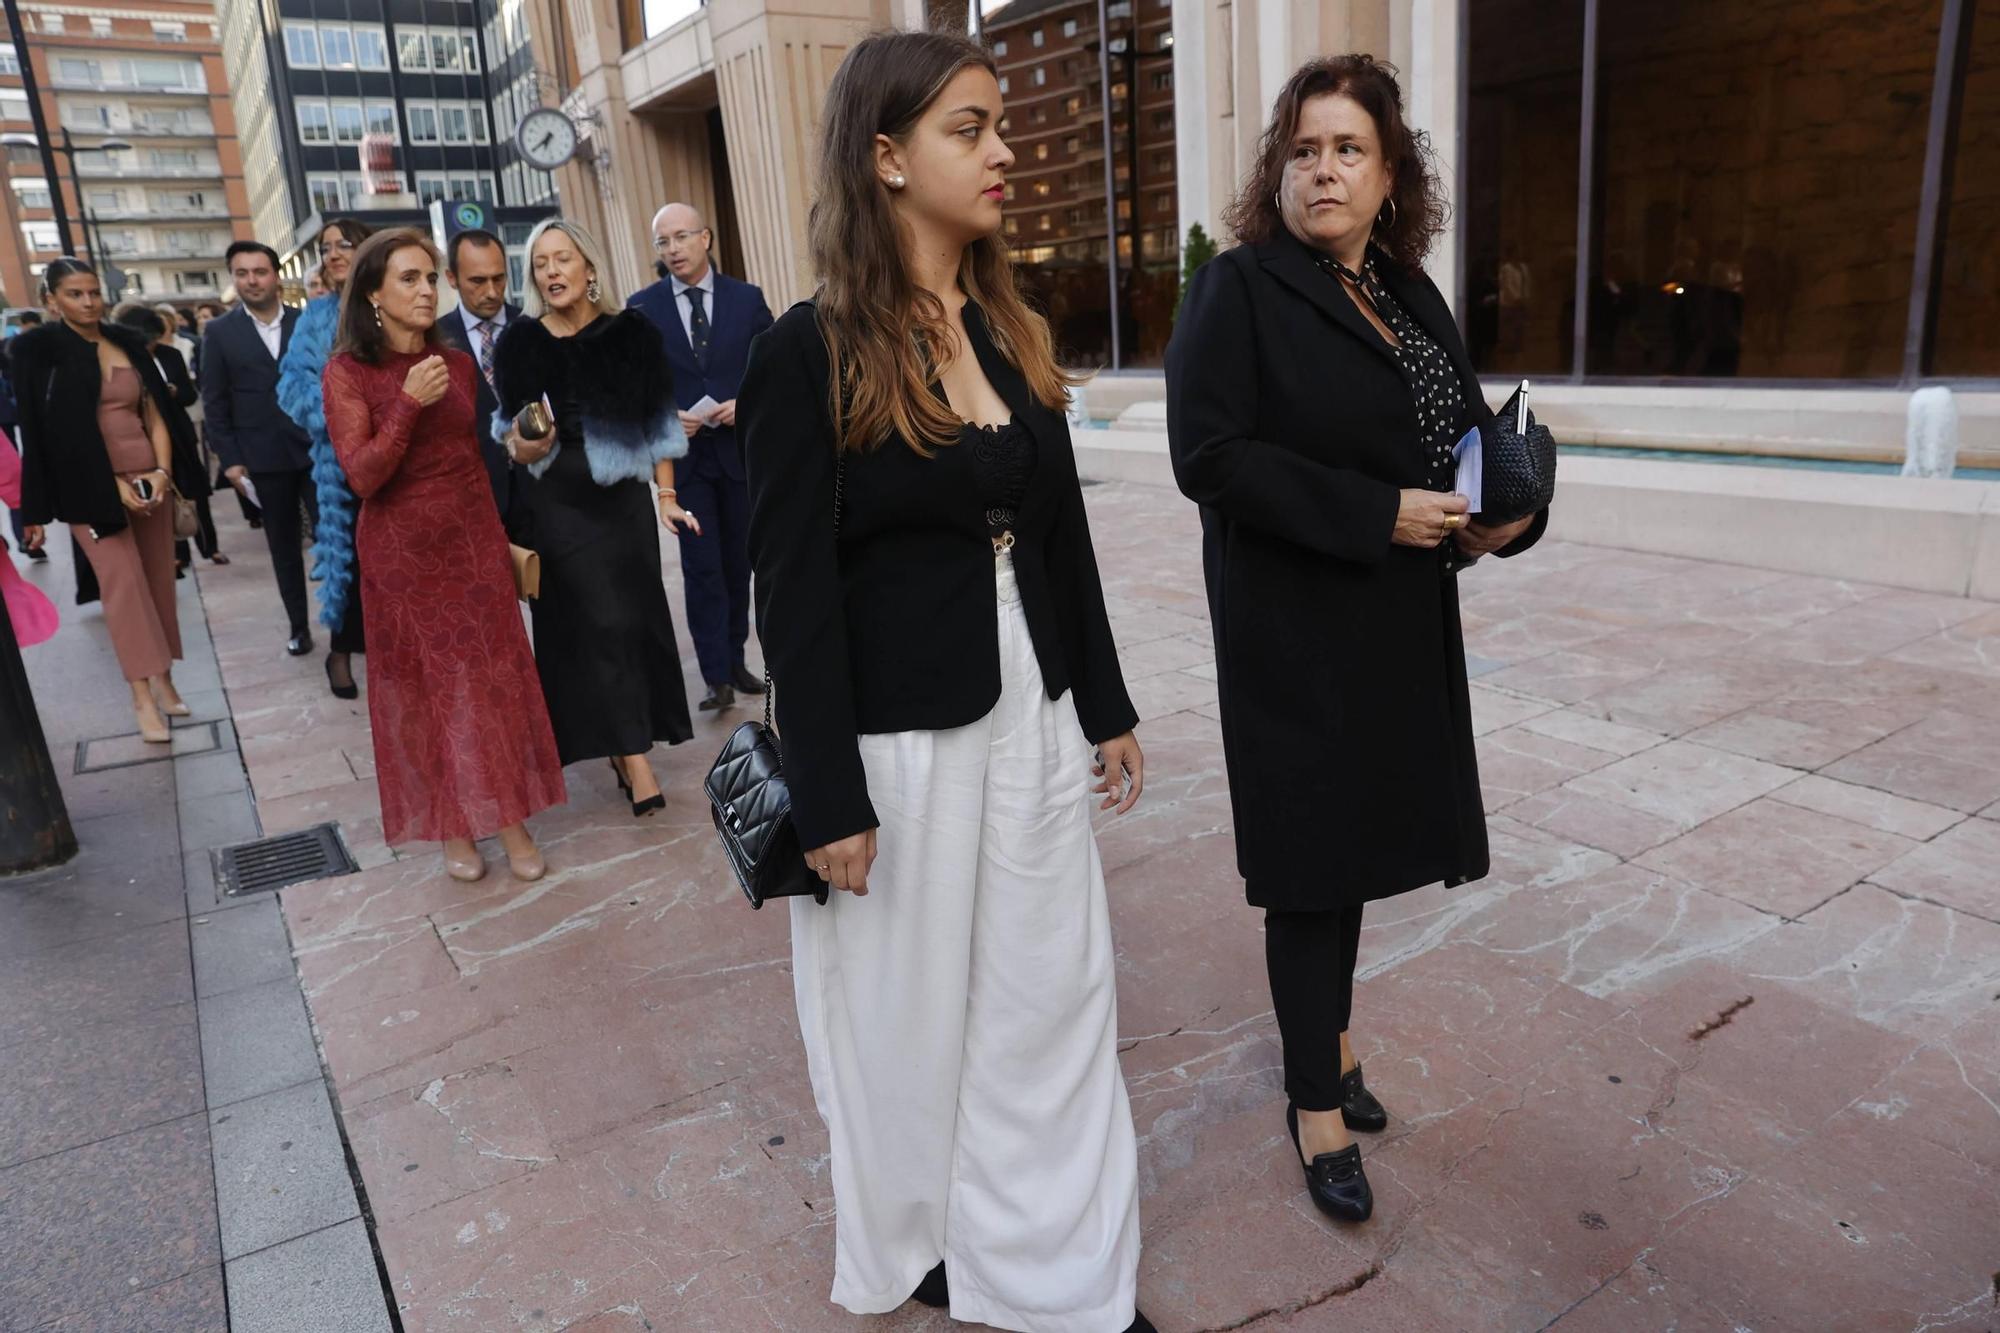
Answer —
1390 204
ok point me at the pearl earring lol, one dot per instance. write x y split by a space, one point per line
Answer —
896 182
378 314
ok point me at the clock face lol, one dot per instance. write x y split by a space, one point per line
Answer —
547 138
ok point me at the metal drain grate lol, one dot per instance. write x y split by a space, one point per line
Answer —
288 858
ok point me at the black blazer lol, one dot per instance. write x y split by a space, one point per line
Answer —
1346 720
174 368
65 471
239 394
892 627
737 315
453 331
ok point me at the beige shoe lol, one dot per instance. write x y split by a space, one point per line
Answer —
463 867
523 857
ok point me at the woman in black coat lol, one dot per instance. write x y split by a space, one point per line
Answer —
100 450
1316 387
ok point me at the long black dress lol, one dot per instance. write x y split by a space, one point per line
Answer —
604 636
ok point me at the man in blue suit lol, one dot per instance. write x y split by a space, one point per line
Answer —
707 321
477 269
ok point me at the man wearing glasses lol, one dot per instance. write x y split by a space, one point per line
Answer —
707 321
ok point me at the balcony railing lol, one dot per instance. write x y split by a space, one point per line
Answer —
142 171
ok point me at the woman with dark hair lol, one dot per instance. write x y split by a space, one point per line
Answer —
462 740
299 373
190 473
927 596
96 453
1316 386
586 502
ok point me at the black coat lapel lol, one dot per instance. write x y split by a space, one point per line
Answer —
1425 306
1008 381
1287 259
286 323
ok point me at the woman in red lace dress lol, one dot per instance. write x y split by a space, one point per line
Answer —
463 746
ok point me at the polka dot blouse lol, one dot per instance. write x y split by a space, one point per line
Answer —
1433 381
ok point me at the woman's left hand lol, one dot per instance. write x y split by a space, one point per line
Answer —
672 517
1477 539
1119 764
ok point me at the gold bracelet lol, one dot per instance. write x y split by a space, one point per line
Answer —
668 492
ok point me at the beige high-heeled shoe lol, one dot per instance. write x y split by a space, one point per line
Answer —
463 868
161 687
526 862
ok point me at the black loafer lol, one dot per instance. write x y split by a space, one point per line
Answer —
719 697
744 682
299 644
933 1291
1358 1108
1338 1186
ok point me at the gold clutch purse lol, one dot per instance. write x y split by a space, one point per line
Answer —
527 572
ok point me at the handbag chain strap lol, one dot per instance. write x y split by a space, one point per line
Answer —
839 498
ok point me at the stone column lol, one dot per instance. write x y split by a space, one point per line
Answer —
772 67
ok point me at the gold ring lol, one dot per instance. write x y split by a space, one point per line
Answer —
1453 520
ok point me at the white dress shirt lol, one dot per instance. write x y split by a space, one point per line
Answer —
686 307
272 333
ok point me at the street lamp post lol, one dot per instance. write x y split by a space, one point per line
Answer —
93 238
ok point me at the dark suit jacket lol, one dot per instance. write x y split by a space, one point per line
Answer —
891 626
1346 719
738 314
239 394
499 470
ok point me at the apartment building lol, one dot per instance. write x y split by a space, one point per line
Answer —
153 182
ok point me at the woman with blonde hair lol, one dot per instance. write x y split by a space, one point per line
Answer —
929 604
604 637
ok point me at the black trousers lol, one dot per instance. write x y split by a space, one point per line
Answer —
1310 956
280 495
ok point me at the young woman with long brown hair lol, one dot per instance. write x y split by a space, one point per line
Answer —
927 595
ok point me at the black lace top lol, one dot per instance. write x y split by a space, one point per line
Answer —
1003 457
1433 381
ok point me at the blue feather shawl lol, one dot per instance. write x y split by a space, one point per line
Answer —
303 400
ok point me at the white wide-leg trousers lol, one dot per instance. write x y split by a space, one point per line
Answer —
960 1024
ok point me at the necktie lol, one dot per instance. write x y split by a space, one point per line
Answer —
697 324
488 335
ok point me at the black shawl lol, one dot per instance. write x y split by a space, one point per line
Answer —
65 472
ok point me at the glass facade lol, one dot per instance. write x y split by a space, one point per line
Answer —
1749 182
1092 210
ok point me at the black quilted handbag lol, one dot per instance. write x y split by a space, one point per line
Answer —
752 806
1518 465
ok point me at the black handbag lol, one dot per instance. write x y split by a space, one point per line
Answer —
752 806
1518 475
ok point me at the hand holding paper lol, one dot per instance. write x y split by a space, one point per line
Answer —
706 410
1470 456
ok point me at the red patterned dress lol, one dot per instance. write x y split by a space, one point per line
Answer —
463 746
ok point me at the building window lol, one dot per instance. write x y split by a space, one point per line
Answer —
371 50
1162 80
336 46
1042 189
423 119
52 22
431 188
1072 105
1039 78
1042 223
13 104
468 46
100 27
301 46
31 193
195 282
1041 152
457 127
1071 144
413 51
40 235
478 114
10 63
1069 27
347 126
382 119
1036 37
1000 47
170 32
1163 119
315 124
1003 85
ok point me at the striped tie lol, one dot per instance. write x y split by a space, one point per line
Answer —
488 335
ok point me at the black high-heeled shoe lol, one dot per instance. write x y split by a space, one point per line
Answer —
651 805
935 1292
1335 1180
1358 1108
348 691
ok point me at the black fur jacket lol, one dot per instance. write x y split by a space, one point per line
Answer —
608 387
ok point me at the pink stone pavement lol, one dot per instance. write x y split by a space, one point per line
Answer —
1716 1046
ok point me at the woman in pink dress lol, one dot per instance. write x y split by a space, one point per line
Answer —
33 614
463 746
